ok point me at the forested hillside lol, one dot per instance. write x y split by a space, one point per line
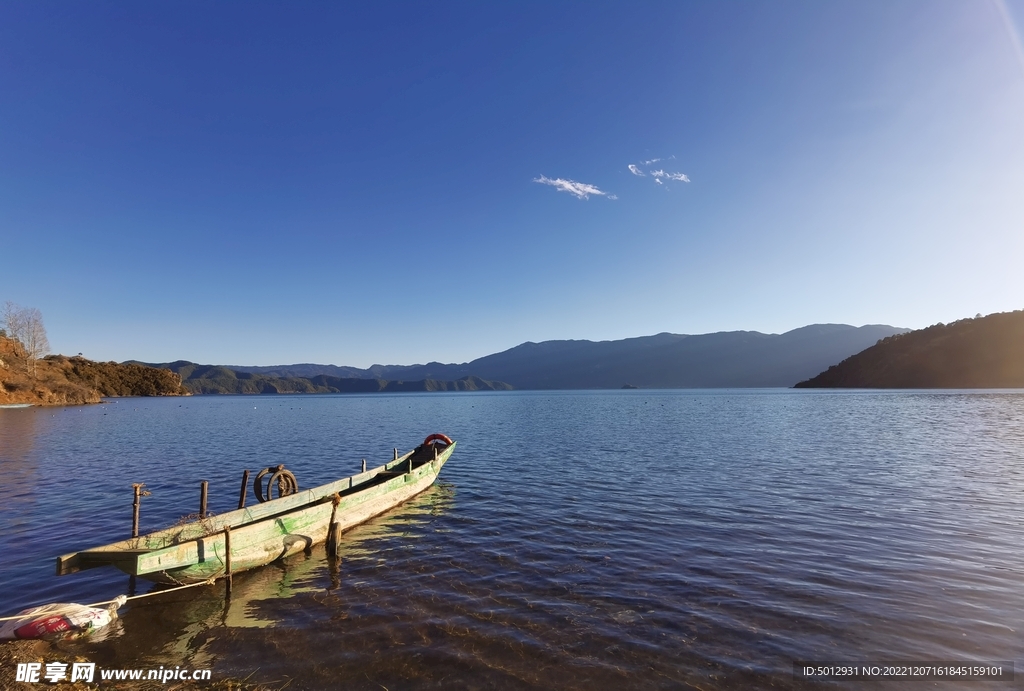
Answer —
217 379
979 353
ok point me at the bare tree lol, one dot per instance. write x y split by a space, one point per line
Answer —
35 342
12 320
25 325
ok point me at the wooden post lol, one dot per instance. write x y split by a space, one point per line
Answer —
333 528
364 465
245 487
203 487
410 464
137 487
334 538
435 452
396 454
227 558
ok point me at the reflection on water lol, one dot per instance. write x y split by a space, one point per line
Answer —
19 428
637 539
400 522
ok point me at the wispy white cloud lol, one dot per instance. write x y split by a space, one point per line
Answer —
580 190
660 176
670 176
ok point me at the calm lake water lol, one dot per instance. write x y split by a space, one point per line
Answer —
576 540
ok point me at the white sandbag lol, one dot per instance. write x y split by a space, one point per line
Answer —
59 620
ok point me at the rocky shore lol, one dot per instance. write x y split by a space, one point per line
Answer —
57 380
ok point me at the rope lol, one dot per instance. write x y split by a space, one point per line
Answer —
119 600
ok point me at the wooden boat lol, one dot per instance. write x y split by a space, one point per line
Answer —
257 535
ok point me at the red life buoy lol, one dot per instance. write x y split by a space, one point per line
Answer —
437 437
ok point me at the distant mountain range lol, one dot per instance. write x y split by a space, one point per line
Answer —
211 379
980 353
724 359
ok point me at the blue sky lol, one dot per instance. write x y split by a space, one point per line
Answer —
264 183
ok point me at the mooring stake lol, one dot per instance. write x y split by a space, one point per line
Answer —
203 487
333 528
245 486
396 454
135 510
136 503
364 465
227 559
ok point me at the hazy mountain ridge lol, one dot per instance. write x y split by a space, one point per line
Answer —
665 360
219 379
980 353
305 370
723 359
354 385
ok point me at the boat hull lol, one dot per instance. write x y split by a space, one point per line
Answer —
266 532
262 543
